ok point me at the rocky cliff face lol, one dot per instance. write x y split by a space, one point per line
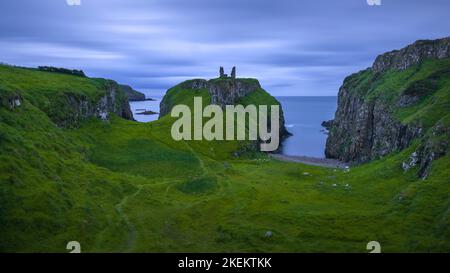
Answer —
228 91
68 109
222 91
412 54
132 94
365 125
364 130
66 99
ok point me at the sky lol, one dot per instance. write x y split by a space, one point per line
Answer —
294 47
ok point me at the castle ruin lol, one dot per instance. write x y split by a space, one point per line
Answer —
223 75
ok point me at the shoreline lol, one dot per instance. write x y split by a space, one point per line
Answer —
314 161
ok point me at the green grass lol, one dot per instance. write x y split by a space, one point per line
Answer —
56 94
179 95
38 87
123 186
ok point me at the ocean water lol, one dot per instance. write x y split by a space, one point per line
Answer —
148 105
303 117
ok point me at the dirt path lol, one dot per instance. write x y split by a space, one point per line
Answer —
322 162
131 228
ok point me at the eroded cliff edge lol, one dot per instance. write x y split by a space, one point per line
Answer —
403 97
133 95
66 96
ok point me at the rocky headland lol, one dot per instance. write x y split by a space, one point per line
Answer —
133 95
386 107
224 90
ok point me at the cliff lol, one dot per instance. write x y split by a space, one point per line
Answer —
404 96
68 109
221 91
65 98
132 94
412 54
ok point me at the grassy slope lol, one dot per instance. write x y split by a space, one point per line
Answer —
126 186
50 92
42 88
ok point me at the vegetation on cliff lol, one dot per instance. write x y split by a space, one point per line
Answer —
66 99
118 185
132 94
403 97
221 91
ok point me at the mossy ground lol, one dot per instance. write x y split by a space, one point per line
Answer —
123 186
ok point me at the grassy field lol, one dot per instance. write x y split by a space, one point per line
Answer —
229 205
123 186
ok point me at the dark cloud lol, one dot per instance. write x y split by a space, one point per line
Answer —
294 47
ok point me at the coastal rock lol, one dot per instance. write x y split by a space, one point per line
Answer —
132 94
195 84
147 113
364 127
364 130
229 91
327 124
222 91
412 54
69 108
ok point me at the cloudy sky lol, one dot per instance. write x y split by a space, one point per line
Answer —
293 47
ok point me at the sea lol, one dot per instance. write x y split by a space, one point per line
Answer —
303 118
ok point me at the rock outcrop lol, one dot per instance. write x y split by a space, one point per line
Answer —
412 54
13 100
364 130
132 94
435 145
327 124
229 91
222 91
365 126
68 109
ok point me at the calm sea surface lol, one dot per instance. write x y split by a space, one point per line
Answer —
148 105
303 117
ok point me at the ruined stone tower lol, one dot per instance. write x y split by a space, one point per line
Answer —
233 73
223 75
